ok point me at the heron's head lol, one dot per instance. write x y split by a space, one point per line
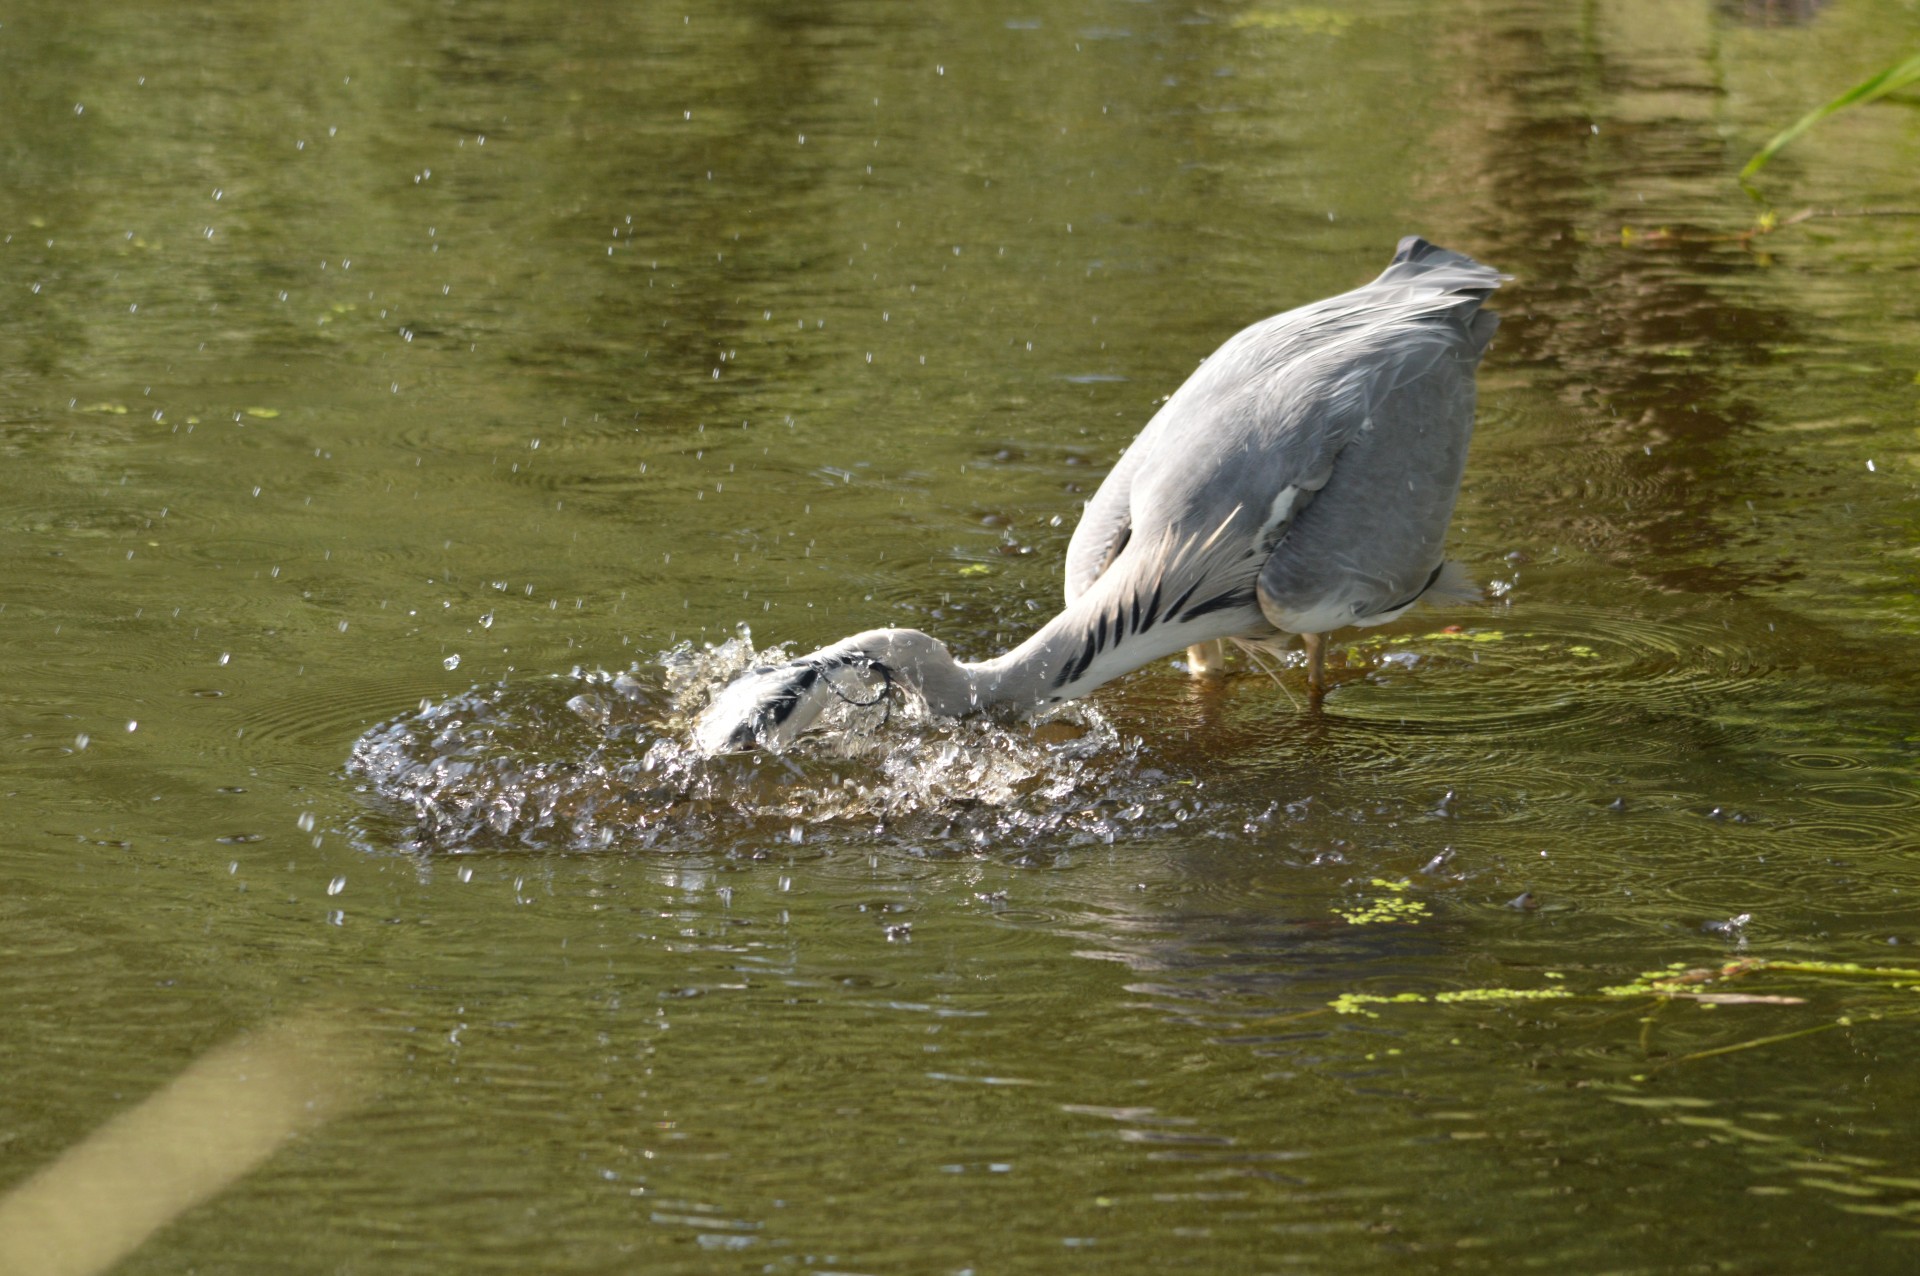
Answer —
771 705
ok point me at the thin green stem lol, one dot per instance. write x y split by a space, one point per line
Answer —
1896 76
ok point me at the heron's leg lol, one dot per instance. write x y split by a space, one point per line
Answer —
1316 645
1204 658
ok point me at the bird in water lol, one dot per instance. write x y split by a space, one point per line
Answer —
1301 481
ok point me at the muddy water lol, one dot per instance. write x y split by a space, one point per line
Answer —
405 407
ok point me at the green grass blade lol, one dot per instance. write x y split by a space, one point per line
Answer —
1896 76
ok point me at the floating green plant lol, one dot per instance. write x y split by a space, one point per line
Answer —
1467 635
1356 1003
1680 980
1393 907
1703 985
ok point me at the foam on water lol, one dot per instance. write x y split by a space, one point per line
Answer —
598 760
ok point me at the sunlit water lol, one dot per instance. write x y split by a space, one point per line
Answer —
404 410
613 767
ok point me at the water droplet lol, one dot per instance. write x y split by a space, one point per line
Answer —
82 740
133 725
452 662
337 885
305 822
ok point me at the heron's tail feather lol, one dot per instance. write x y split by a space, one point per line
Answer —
1425 255
1427 266
1451 586
1433 266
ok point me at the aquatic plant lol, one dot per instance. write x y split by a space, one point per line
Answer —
1875 86
1706 986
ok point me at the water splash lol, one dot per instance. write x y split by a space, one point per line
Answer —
595 760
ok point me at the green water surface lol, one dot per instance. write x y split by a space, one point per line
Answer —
355 356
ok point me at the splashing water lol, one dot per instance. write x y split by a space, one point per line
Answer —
593 760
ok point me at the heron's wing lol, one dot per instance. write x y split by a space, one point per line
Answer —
1371 542
1104 527
1357 396
1241 455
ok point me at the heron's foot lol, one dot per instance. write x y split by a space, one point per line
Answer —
1205 658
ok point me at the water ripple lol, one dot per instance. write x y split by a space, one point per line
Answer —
1567 669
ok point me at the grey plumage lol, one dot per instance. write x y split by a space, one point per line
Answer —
1300 481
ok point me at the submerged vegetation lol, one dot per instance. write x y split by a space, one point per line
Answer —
1869 994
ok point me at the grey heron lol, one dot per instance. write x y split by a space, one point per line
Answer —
1299 482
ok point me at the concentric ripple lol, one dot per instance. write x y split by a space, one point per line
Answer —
1573 668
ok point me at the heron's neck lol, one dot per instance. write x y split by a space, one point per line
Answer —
923 662
1085 646
1039 669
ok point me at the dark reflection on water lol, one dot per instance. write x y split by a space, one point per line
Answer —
1655 347
1772 13
363 373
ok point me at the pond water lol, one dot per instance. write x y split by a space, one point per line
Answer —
405 406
